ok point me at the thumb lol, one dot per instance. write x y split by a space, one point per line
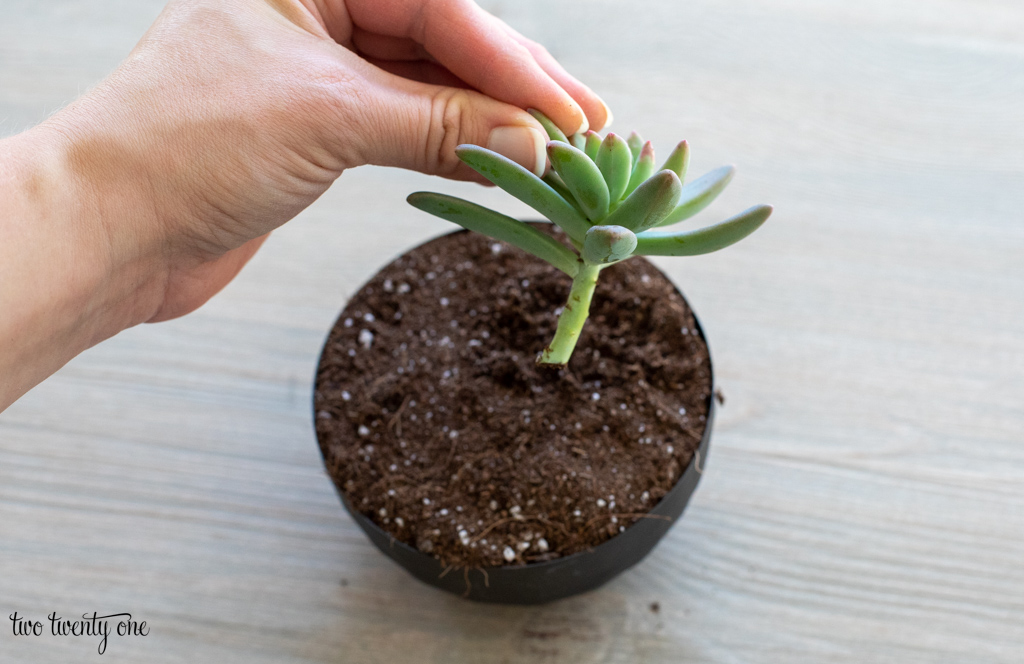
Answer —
418 126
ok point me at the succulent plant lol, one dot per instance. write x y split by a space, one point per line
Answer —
608 198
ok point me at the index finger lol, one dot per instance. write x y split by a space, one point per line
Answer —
473 45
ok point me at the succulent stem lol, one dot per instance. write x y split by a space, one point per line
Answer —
572 318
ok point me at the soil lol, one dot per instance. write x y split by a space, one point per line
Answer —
435 421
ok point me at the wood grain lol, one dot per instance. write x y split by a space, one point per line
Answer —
862 502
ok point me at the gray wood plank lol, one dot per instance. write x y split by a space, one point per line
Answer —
862 501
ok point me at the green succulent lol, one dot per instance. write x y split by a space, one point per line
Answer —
608 198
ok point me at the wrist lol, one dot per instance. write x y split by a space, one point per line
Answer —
68 278
99 202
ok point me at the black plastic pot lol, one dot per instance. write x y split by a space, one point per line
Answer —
538 583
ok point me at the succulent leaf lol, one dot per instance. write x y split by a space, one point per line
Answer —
608 244
555 182
678 160
593 144
704 240
606 196
554 133
643 169
615 162
636 146
496 225
525 186
700 193
652 201
582 177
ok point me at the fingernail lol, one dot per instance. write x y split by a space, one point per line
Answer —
585 125
608 115
523 145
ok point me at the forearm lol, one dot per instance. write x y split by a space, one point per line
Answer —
64 283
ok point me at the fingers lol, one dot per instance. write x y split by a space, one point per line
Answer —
417 126
383 47
424 72
381 50
475 47
598 113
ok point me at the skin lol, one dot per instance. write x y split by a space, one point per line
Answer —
146 196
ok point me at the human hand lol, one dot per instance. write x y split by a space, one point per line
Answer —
232 116
147 195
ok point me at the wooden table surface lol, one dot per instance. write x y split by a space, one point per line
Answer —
864 496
